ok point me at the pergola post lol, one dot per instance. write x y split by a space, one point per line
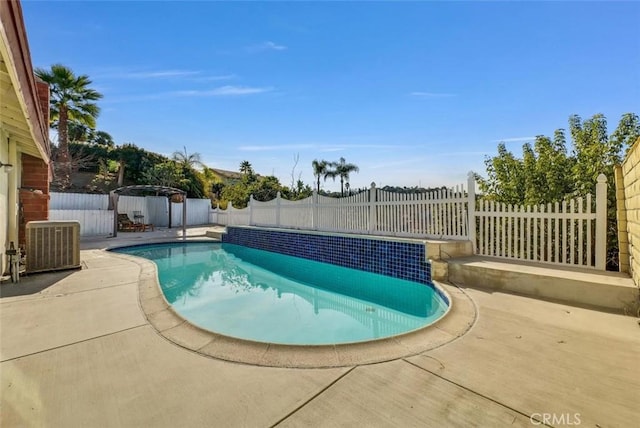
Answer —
164 190
113 204
184 216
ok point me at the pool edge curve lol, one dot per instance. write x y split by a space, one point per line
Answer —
454 323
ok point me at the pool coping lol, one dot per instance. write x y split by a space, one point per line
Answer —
458 320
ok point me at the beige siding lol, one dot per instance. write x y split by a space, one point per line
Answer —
628 194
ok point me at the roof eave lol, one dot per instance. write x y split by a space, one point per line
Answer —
16 48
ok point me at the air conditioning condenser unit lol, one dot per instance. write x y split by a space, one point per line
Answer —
52 245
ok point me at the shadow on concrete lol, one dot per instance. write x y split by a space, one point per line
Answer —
32 283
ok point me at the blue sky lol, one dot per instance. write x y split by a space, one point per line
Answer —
414 93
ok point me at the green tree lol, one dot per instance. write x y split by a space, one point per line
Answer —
266 188
102 138
167 173
262 189
627 132
343 170
552 165
237 193
78 132
174 174
546 173
245 167
86 157
593 151
248 174
193 183
300 191
72 99
320 168
505 177
187 160
133 161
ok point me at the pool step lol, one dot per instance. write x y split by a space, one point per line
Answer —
444 250
579 286
215 234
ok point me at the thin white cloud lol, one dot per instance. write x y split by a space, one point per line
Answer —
421 94
223 91
276 147
266 46
156 74
274 46
193 75
216 78
514 140
227 90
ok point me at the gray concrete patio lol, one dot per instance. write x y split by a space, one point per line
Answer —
77 350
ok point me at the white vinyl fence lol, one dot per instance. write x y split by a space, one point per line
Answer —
78 201
569 232
440 214
197 212
92 222
97 220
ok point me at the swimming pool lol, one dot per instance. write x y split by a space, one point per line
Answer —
268 297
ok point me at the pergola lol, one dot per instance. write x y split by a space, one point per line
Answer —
144 188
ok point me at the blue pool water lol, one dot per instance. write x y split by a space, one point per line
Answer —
268 297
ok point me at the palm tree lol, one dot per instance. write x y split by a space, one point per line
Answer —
187 160
246 168
78 132
342 169
103 138
320 169
71 100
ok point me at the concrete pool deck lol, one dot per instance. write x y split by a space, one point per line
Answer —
77 350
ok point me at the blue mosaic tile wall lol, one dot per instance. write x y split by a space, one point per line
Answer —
404 260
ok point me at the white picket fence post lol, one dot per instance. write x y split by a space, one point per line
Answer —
314 210
250 207
278 209
601 223
372 208
471 210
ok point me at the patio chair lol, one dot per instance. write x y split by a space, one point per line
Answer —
126 225
138 219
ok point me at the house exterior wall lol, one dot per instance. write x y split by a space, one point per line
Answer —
34 193
4 201
628 195
24 136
